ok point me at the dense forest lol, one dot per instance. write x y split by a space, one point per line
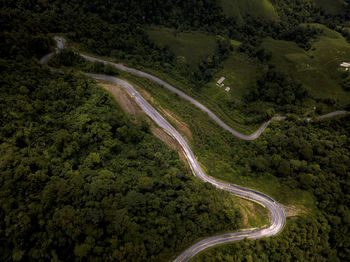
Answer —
80 182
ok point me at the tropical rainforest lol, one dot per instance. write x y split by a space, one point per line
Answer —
80 181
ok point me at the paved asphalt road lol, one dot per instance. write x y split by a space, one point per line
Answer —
277 216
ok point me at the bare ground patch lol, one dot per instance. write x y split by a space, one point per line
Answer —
123 98
180 125
251 213
293 211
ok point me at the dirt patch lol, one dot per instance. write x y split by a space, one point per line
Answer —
123 98
144 93
129 106
244 216
246 208
180 125
293 211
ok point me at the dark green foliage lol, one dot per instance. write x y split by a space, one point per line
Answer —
302 35
280 89
80 182
298 156
314 158
346 82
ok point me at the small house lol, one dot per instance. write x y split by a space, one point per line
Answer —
227 89
345 65
219 83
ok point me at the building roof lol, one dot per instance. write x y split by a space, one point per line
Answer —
227 89
345 64
222 79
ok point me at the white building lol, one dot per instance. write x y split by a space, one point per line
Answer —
227 89
219 83
345 65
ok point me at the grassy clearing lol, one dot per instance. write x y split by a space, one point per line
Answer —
215 98
253 215
189 47
240 72
255 8
318 69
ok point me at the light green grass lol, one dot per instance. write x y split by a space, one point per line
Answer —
189 47
332 6
318 69
253 214
255 8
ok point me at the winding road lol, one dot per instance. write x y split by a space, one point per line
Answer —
277 216
184 96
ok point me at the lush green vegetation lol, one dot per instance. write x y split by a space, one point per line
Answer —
280 90
68 58
188 47
240 73
79 181
299 164
323 147
317 69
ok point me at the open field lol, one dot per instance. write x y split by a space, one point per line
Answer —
253 215
255 8
240 72
188 47
318 69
